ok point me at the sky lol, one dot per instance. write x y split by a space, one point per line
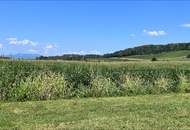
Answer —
90 26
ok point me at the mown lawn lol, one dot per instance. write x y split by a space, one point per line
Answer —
141 112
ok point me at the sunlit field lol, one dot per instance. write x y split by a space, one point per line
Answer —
169 111
94 65
40 80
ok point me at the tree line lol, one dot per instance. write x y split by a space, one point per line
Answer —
150 49
140 50
70 57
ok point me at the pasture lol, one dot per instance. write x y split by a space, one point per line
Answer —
159 112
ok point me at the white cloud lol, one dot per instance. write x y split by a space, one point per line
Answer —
95 52
15 41
186 25
33 51
155 33
48 47
84 52
75 52
1 46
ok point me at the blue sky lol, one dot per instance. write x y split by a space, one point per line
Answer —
59 27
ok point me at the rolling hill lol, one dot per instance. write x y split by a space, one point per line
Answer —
150 49
175 51
174 55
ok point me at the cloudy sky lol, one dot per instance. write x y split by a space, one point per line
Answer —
91 26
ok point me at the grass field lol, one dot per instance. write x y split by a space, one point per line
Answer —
140 112
174 55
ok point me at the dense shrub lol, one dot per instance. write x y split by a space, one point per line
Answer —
154 59
188 56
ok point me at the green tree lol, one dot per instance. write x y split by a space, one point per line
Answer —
154 59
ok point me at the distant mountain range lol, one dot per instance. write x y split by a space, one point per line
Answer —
24 56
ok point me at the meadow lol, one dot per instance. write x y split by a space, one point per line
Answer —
172 56
159 112
22 80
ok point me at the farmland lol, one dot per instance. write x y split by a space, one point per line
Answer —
169 111
41 80
174 55
94 65
94 95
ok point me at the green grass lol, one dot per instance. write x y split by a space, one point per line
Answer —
140 112
174 55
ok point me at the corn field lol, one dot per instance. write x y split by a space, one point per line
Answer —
40 80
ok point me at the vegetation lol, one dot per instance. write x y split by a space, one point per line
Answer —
4 57
140 112
44 85
49 80
150 49
188 56
70 57
177 51
41 80
154 59
174 55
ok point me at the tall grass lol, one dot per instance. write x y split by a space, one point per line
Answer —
40 80
41 86
184 83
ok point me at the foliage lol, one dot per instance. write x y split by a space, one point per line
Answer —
184 83
154 59
188 56
38 80
139 51
41 86
173 55
161 85
102 86
150 49
4 57
70 57
132 85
